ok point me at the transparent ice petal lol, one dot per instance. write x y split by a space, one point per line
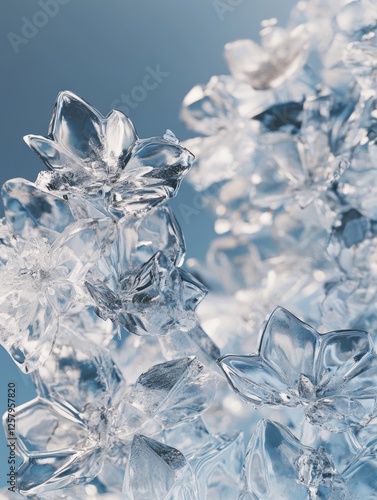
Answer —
153 172
156 470
255 381
76 126
43 426
289 346
30 211
79 374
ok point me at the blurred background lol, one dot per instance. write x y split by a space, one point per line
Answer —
102 50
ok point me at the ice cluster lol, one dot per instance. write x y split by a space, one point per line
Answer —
145 390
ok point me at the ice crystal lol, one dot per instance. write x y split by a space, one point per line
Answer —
65 283
333 375
287 160
40 283
103 161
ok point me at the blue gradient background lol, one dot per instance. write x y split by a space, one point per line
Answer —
99 49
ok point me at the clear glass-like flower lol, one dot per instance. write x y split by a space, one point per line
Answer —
67 432
158 298
138 282
40 282
103 160
85 415
332 375
278 465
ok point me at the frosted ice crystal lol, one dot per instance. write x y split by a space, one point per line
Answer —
141 384
40 282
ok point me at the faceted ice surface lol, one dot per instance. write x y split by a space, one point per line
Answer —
174 391
157 471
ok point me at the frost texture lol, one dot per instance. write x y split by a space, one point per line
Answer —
137 377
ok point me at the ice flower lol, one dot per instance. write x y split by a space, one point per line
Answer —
39 284
278 465
85 416
103 161
138 282
67 432
281 55
158 298
332 375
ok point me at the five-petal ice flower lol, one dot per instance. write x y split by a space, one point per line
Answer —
103 161
333 375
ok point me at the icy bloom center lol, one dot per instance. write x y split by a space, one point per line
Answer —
306 388
102 430
31 268
316 469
